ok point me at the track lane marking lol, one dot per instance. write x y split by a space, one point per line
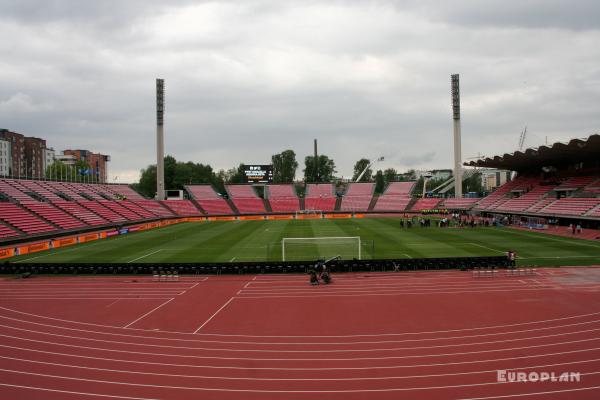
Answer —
212 316
149 312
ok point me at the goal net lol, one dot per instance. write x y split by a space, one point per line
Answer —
301 249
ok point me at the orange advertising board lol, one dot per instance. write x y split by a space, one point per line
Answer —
6 253
88 237
252 217
64 242
275 217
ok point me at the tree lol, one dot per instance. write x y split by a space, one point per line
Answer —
390 175
473 183
324 171
358 169
236 175
177 175
284 166
379 182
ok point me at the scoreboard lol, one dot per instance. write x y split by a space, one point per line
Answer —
258 173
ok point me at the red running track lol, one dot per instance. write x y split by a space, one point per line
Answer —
424 335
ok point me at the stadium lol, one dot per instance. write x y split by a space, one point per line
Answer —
264 285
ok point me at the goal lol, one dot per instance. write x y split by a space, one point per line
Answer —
301 249
309 214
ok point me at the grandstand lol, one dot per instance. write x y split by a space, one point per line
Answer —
209 199
282 198
320 196
396 197
358 196
245 199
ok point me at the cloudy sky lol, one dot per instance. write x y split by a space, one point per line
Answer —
249 78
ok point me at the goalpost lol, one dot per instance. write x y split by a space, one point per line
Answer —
307 248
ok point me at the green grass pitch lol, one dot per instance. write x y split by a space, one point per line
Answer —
261 240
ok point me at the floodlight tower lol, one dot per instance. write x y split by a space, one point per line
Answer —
160 143
457 141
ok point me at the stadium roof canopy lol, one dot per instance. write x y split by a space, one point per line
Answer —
577 150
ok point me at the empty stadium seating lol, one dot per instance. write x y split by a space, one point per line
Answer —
459 204
53 214
576 182
80 212
571 206
208 199
23 220
182 207
319 196
283 198
358 196
6 232
154 207
119 208
245 199
395 198
426 204
526 200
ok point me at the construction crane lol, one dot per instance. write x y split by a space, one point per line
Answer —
522 138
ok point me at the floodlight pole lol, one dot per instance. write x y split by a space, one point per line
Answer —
455 86
160 144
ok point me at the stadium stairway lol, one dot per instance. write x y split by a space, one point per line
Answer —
267 205
338 204
411 203
373 202
232 205
198 206
302 204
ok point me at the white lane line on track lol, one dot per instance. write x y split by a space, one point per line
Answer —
278 351
339 359
213 389
244 368
113 303
149 312
394 293
304 343
76 393
321 379
144 256
212 316
505 396
315 336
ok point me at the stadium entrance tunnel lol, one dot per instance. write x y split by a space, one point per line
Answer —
402 264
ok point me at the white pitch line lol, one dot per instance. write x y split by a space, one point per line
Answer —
149 312
407 255
212 316
488 248
144 256
232 259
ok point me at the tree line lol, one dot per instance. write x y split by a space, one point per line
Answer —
323 169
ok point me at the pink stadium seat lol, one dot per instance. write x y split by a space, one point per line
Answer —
54 215
358 197
119 208
182 207
245 199
426 204
209 200
319 196
459 204
6 232
283 198
395 198
24 220
81 212
571 206
154 207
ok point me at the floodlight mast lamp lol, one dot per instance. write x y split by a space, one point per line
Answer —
455 86
160 143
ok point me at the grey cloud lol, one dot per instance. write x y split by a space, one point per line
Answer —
247 79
